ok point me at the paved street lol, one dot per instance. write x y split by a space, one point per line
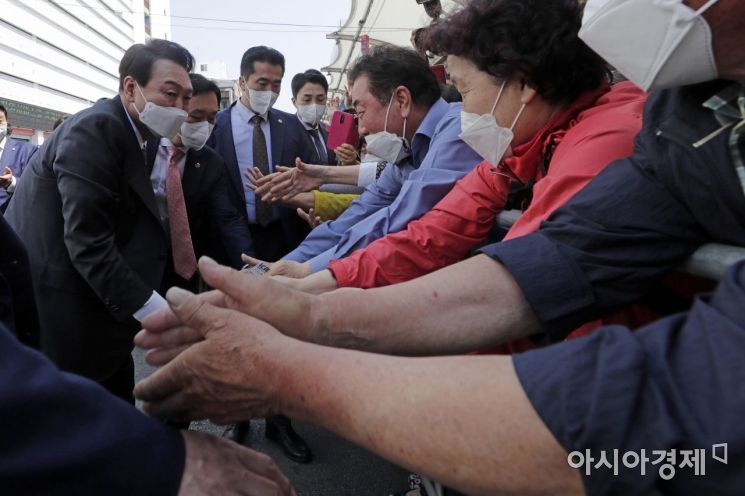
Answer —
339 469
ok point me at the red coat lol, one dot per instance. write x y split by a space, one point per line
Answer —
598 128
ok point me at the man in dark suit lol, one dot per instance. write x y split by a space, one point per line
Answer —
62 434
309 95
250 133
97 248
14 155
204 182
278 140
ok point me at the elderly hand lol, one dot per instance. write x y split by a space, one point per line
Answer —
292 180
230 376
287 268
166 336
217 466
346 154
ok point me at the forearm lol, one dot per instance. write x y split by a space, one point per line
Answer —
341 175
472 429
468 306
306 201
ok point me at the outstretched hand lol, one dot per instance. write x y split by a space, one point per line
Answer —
232 373
166 335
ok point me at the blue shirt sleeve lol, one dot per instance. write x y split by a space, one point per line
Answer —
377 195
448 160
673 385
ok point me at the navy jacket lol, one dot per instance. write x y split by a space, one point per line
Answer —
289 141
64 435
95 241
16 155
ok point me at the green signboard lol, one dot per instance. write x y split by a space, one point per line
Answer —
30 116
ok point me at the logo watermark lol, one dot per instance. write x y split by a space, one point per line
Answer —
668 460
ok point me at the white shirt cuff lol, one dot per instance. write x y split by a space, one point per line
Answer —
367 174
153 304
12 186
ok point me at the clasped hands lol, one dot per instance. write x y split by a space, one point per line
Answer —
222 352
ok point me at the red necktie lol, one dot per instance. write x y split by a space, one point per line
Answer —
184 260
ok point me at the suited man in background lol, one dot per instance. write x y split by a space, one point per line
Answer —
309 95
204 185
278 140
96 244
250 133
14 155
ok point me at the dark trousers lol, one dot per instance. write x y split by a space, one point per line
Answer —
122 381
270 242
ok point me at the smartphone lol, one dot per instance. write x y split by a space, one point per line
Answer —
439 72
343 129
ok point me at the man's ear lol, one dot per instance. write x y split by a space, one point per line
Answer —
402 98
129 86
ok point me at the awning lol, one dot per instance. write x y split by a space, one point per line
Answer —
384 22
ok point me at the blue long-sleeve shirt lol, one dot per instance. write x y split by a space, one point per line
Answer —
403 192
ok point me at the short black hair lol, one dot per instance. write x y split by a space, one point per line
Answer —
389 66
4 111
138 60
261 54
310 76
536 40
201 85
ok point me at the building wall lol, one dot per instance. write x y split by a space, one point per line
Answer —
62 56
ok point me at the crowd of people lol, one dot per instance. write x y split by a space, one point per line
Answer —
473 356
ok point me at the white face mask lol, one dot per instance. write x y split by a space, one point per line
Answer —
311 114
162 121
387 146
484 135
655 43
3 131
195 134
261 101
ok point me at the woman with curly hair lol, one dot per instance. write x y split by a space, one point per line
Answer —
538 107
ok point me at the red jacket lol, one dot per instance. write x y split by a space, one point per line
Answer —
598 128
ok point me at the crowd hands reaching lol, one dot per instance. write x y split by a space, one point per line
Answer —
267 322
484 372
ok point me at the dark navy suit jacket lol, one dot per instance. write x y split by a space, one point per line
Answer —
289 141
16 155
17 304
65 435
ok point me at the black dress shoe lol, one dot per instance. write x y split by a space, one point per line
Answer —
279 430
237 432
